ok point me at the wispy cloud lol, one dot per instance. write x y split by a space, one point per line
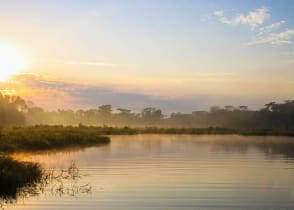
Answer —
271 34
219 13
102 64
284 37
78 62
270 28
254 18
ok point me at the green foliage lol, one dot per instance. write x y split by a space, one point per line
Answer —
48 137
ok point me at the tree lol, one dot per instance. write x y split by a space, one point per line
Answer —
215 109
105 112
151 115
124 111
243 108
105 109
229 108
269 106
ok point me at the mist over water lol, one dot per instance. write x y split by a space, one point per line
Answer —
174 172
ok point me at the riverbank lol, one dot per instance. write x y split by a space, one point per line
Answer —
39 138
14 174
108 130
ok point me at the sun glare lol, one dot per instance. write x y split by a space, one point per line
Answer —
12 61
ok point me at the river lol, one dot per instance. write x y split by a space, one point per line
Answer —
170 172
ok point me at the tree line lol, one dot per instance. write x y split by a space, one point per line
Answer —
15 111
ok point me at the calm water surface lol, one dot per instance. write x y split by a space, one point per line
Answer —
172 172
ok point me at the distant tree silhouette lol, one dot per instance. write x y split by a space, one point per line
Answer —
243 108
11 110
151 115
105 112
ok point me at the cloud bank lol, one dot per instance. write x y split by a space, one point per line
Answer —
52 95
56 94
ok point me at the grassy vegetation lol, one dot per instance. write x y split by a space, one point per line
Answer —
15 139
15 175
105 130
216 130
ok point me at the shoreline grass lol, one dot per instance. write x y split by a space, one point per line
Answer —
39 138
15 175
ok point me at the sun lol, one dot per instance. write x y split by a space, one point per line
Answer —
12 61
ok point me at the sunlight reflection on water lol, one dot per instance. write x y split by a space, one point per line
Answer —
176 172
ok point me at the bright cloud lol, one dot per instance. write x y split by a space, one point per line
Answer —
254 18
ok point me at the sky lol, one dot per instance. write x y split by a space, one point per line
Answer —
175 55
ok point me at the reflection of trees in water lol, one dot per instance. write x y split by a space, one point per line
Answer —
135 143
271 149
64 182
270 146
146 144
